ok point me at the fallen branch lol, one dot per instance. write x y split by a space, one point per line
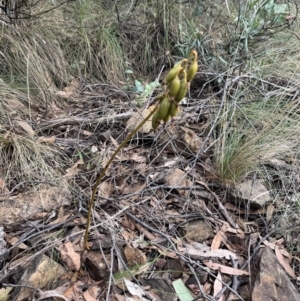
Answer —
73 120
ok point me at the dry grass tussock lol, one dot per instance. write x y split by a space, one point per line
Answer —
25 160
252 135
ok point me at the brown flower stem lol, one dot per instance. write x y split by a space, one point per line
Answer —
102 174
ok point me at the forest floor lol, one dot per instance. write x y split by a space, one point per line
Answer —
163 225
205 208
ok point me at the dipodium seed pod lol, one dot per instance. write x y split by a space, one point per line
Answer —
193 66
155 121
174 85
163 108
166 119
183 87
174 71
173 109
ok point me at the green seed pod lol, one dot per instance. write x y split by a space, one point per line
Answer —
174 71
174 85
163 108
155 121
183 87
173 109
166 119
193 66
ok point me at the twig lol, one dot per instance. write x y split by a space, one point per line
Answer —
223 210
258 246
235 281
199 285
22 285
45 228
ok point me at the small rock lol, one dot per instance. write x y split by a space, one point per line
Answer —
198 230
174 178
272 282
42 273
185 140
98 265
28 204
251 191
175 267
